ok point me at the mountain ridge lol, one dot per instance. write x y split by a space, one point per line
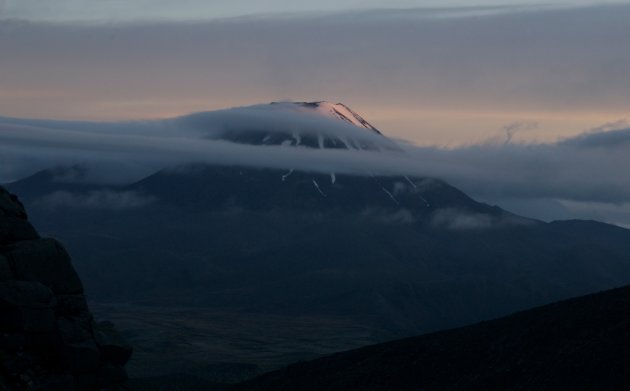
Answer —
577 344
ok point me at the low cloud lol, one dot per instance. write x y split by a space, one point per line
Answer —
510 130
94 200
457 220
400 216
589 168
615 135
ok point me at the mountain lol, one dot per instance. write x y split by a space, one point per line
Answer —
334 260
340 111
578 344
319 125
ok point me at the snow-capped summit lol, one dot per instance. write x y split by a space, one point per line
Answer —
319 125
336 111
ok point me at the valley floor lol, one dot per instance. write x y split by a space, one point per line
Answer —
224 346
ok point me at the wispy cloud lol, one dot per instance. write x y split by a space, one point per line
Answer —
461 220
95 11
94 200
400 216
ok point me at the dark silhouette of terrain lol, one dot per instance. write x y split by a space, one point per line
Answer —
577 344
49 340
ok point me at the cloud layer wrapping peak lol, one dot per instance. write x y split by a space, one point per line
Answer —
141 147
564 179
316 125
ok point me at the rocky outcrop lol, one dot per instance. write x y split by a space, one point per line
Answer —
49 340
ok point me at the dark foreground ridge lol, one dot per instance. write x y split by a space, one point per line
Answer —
48 337
578 344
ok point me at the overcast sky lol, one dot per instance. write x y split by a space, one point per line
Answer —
447 77
516 76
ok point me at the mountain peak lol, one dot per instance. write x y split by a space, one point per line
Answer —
334 110
317 125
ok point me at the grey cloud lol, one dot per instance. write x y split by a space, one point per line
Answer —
454 219
515 172
550 59
604 137
96 199
615 213
561 171
133 149
147 10
511 129
280 117
400 216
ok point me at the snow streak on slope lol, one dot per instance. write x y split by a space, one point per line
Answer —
339 111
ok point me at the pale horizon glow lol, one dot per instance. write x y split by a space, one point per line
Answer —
421 126
415 75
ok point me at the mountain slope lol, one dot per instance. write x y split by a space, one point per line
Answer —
380 248
337 110
374 256
578 344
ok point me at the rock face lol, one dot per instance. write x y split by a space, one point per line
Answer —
48 337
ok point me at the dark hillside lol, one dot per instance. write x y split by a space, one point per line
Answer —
578 344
